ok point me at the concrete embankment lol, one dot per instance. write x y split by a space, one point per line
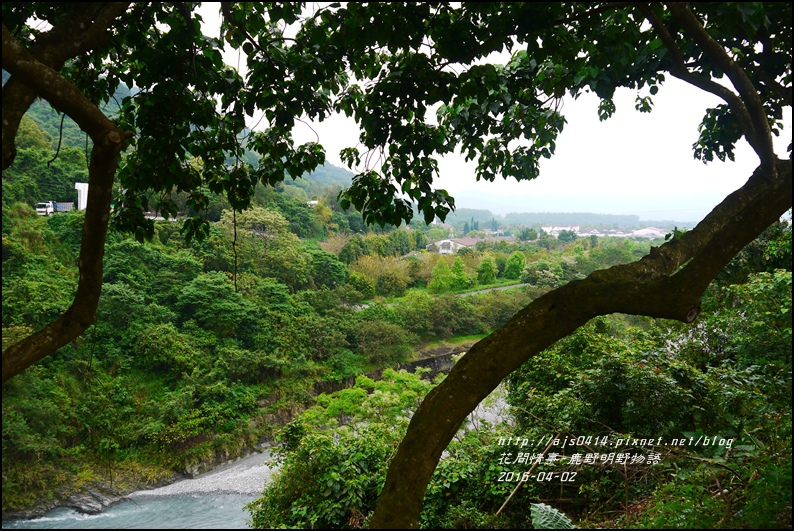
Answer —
437 359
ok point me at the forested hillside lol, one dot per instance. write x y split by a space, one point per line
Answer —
200 348
221 274
181 367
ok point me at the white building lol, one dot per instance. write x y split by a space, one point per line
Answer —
82 195
649 232
445 246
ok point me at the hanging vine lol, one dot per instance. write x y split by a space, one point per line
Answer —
60 139
234 246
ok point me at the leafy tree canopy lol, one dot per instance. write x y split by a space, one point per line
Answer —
386 65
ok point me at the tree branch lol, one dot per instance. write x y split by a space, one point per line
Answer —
667 283
108 140
69 38
49 84
767 81
762 141
680 70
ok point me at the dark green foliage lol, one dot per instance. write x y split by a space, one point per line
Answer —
327 271
567 236
211 343
331 478
770 251
728 376
183 359
37 284
528 234
327 483
211 301
31 179
39 421
382 343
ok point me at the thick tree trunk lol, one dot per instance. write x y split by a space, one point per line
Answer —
667 283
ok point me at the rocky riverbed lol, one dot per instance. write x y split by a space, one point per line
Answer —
96 496
93 497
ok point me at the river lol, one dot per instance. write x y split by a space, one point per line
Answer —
213 500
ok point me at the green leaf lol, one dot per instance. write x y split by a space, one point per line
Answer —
547 517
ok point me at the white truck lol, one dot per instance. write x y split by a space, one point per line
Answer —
48 208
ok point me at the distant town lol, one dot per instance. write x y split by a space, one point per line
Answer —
471 237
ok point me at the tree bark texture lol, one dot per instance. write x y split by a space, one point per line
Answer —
667 283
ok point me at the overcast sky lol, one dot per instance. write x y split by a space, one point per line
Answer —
633 163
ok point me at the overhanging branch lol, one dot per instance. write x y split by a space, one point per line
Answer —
108 141
659 285
82 30
762 135
49 84
680 70
767 81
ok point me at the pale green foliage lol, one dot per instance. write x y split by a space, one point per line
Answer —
486 270
363 284
30 135
542 273
261 222
265 246
442 277
547 517
389 274
460 280
515 265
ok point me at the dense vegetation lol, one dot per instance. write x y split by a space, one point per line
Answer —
198 348
181 367
615 380
201 349
194 343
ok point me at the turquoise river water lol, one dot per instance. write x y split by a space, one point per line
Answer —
213 500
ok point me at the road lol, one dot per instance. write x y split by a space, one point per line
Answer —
500 288
359 307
